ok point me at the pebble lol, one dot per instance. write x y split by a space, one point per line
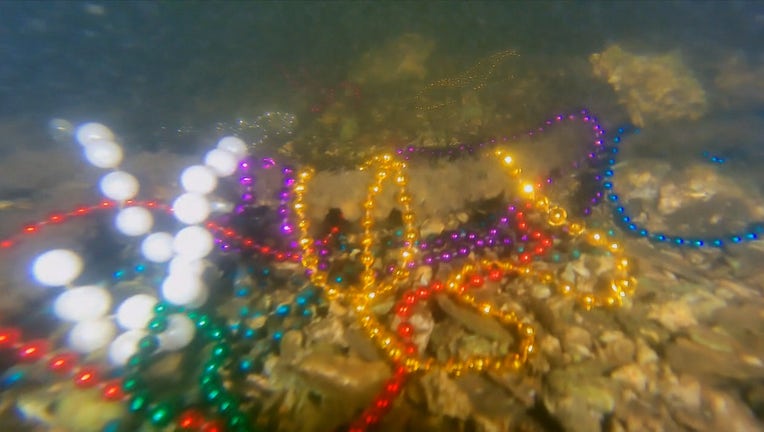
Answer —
444 397
431 227
541 292
474 321
710 338
291 345
578 399
423 275
328 330
631 375
645 354
683 392
673 315
618 350
550 346
577 342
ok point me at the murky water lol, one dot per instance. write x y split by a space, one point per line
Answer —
332 84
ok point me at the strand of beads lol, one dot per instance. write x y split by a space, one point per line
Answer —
247 180
57 218
456 285
382 402
60 363
624 219
185 251
591 158
263 328
557 217
215 394
387 167
475 77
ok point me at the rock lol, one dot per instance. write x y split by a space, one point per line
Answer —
652 87
704 304
577 342
423 324
291 345
541 291
683 392
331 373
327 330
631 375
685 355
729 413
645 354
639 415
474 321
444 397
361 344
754 398
715 340
618 350
579 401
549 346
432 226
673 315
423 275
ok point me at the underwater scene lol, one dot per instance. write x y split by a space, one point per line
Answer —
528 216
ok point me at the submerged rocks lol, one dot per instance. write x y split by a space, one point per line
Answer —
652 87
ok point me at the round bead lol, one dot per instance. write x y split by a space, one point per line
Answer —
103 154
112 391
184 290
88 336
161 414
33 350
190 419
62 363
157 247
57 267
191 208
405 330
148 344
125 346
237 421
86 377
89 133
183 264
157 325
134 221
234 145
9 336
198 179
119 186
212 426
220 351
82 303
223 162
131 383
138 402
193 242
135 312
179 333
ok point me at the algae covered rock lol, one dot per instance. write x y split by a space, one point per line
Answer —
651 87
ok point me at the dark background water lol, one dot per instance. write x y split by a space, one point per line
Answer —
148 66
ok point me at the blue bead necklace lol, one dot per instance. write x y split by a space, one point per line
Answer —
625 221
